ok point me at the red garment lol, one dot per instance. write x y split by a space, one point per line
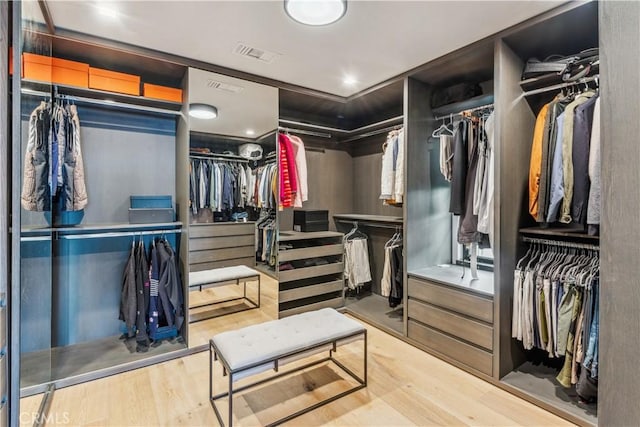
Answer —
283 168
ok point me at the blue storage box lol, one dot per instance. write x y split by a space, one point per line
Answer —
146 202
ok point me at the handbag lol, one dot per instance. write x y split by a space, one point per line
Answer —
571 68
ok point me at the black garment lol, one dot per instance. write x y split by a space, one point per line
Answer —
41 162
459 174
468 229
395 296
142 296
170 285
582 121
68 165
556 108
128 307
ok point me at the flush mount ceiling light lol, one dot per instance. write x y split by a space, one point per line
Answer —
203 111
315 12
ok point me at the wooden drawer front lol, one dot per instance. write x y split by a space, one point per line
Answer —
451 323
313 252
310 291
305 273
221 242
249 262
331 303
199 231
221 254
462 352
446 297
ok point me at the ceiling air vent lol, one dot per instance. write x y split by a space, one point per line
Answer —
214 84
255 53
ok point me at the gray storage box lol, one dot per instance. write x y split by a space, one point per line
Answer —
151 215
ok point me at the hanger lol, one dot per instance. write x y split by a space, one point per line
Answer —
444 128
355 233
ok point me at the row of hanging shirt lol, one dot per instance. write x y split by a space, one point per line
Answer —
292 164
392 176
53 164
266 238
392 270
222 185
151 296
555 309
357 269
467 162
564 173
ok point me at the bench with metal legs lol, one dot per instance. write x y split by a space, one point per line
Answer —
221 277
236 370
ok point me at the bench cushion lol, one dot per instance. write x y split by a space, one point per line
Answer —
225 274
260 343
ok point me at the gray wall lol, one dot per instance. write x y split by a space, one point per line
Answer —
330 178
366 186
620 241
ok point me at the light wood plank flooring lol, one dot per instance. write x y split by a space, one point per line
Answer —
406 387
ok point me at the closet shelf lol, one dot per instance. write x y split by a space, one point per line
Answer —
468 104
103 98
549 80
563 233
290 236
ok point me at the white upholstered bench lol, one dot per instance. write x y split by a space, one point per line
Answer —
262 347
220 277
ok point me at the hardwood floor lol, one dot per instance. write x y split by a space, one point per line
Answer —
406 387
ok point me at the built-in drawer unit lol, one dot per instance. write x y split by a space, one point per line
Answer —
221 245
311 272
452 321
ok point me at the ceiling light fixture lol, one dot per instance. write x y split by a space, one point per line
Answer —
349 80
250 132
203 111
107 12
315 12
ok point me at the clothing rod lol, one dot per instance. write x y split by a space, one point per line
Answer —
309 125
220 158
120 234
561 85
380 123
305 132
103 102
368 223
35 239
470 110
561 243
372 133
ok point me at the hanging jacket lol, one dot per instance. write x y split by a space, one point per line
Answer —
128 307
142 293
154 299
53 160
460 167
170 285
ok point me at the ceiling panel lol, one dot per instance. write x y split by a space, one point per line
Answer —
375 41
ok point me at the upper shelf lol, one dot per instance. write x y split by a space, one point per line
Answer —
468 104
370 218
289 236
559 232
102 98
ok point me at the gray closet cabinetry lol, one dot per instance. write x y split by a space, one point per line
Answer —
228 244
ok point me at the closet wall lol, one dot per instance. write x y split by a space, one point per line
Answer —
620 298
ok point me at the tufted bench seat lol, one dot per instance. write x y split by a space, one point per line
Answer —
258 348
223 276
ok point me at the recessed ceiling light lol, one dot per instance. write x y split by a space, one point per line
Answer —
315 12
349 80
203 111
250 132
108 11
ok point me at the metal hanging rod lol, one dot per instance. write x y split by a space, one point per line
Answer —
374 132
380 123
102 102
305 132
219 157
119 234
460 113
561 243
583 80
356 223
312 126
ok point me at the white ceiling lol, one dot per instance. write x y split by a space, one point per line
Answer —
375 40
254 106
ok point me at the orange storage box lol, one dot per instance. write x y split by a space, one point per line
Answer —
55 70
162 92
114 82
